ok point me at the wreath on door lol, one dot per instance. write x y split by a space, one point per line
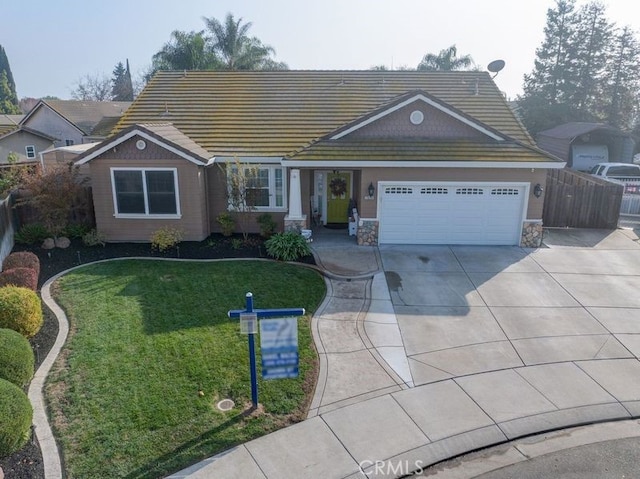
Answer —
338 186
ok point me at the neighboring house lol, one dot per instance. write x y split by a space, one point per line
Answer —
72 122
66 155
583 145
427 157
26 143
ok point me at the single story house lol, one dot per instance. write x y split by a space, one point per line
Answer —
583 145
425 157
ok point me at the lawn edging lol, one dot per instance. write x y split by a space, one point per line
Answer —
50 451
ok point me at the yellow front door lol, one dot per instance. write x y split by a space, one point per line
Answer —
338 196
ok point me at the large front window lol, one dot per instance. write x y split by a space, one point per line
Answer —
145 192
260 187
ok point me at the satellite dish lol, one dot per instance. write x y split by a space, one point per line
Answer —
495 66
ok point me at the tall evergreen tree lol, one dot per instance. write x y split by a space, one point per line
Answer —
621 89
8 95
122 89
588 59
548 78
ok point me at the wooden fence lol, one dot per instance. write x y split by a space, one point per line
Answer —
8 227
82 214
579 200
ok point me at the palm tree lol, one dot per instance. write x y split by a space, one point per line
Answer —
236 50
184 51
446 60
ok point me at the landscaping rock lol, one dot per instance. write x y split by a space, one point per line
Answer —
49 243
1 474
63 242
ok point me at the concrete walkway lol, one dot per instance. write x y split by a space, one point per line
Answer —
502 344
374 413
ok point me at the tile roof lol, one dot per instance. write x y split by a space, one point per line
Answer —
574 129
9 122
419 150
277 113
86 114
162 133
104 127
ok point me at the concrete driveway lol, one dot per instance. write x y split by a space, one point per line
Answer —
429 352
463 310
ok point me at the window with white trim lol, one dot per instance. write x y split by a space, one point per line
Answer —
30 150
264 186
145 192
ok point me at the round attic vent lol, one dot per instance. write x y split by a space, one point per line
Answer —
416 117
141 145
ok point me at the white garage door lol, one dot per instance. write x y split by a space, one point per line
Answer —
451 213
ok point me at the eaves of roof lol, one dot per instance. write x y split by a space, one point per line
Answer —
163 134
569 131
25 129
421 150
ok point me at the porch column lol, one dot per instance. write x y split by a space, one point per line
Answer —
295 220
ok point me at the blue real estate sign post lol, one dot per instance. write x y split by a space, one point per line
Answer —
280 340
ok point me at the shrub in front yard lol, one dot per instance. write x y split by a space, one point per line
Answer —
227 223
16 414
34 233
20 310
267 225
22 259
23 277
288 246
16 358
166 238
94 238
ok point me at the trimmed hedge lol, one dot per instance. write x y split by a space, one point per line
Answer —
16 415
23 277
20 310
16 358
22 259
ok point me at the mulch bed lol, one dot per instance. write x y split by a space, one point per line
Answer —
27 463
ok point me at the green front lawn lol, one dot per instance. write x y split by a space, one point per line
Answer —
151 352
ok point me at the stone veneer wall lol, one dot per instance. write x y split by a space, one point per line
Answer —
367 233
295 224
531 235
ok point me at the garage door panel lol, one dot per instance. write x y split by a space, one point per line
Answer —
451 213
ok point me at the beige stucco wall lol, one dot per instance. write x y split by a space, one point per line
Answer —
191 184
17 143
368 207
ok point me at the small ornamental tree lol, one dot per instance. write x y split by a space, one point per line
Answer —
55 193
243 188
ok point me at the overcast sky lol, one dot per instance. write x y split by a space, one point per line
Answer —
51 44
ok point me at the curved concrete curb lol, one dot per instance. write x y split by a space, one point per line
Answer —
494 458
48 445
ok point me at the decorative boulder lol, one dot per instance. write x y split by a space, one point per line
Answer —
62 242
49 243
